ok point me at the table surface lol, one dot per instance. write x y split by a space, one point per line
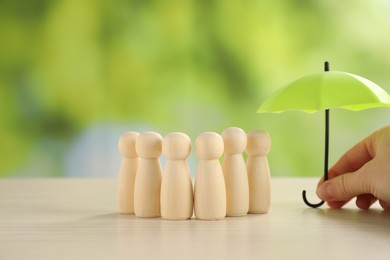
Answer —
77 219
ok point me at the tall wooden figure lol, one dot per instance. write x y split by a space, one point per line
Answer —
210 192
147 186
127 172
259 144
177 199
234 171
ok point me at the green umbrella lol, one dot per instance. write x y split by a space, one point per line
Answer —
323 91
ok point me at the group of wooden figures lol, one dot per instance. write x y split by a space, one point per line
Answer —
233 189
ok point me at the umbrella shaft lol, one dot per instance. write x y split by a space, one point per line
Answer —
326 144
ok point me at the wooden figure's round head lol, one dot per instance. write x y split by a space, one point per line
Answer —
234 140
209 146
149 145
176 146
126 144
259 143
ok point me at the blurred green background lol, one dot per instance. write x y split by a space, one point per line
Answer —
76 74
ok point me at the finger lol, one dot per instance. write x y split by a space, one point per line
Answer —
365 201
353 159
320 182
336 204
346 186
385 205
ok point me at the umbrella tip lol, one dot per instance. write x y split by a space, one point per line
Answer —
326 66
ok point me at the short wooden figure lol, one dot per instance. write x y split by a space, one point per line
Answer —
127 172
176 188
235 173
147 186
210 192
258 146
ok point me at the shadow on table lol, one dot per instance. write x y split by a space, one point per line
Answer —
370 219
105 216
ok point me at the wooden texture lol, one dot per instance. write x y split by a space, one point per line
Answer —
77 219
177 197
234 171
259 145
127 172
209 190
147 186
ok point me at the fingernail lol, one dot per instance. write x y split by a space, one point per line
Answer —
325 191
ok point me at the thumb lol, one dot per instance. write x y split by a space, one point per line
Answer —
343 187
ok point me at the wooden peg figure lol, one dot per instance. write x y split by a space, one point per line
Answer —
176 188
147 186
235 173
259 145
210 192
127 172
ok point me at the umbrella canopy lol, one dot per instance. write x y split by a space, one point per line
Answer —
333 89
324 91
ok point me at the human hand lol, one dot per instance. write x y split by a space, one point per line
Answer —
362 172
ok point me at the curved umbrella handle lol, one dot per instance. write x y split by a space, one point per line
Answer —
326 68
310 204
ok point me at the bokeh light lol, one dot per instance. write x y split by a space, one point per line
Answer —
74 75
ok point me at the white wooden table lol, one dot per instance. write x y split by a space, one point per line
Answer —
77 219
